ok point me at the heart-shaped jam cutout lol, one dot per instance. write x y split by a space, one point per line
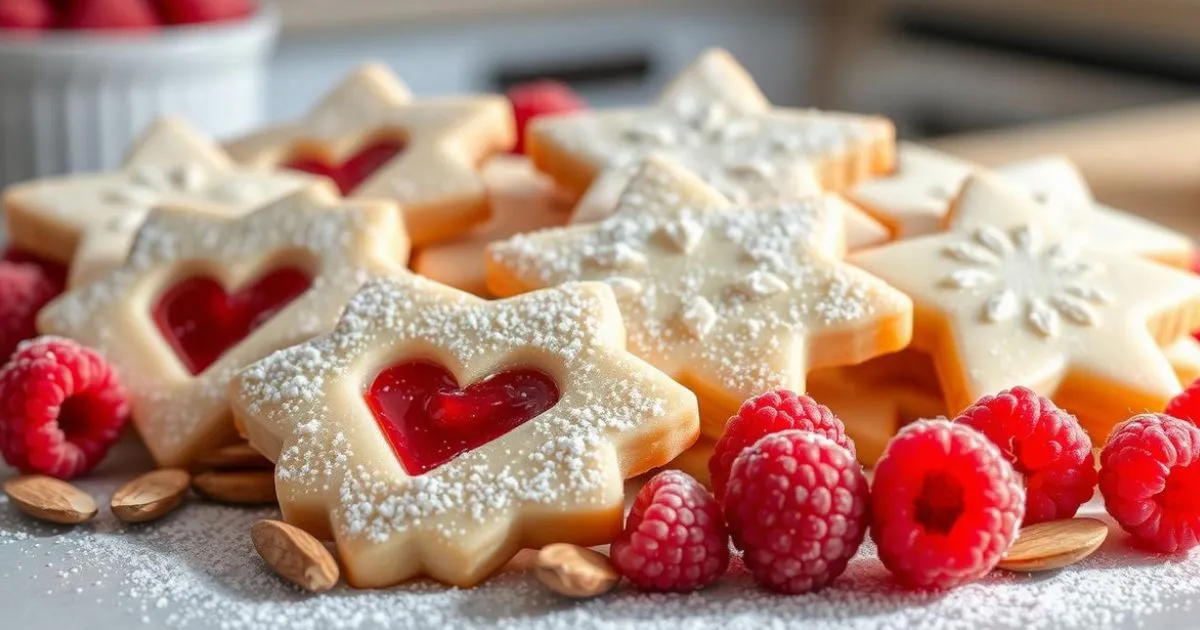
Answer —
357 168
201 320
429 420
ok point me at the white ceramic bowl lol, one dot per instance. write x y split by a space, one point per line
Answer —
72 102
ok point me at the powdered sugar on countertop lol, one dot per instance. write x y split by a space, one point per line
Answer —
198 570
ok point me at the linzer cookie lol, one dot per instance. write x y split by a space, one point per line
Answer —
375 140
171 164
729 301
715 121
201 297
1007 297
522 199
436 433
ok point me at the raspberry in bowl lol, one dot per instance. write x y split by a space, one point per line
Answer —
110 67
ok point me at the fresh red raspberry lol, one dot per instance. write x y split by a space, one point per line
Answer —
1150 480
799 506
674 538
768 413
1043 443
24 290
946 505
203 11
61 408
538 98
26 15
56 272
122 15
1186 404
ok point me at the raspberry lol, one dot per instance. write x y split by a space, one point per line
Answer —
538 98
57 273
946 505
1150 480
798 505
24 290
1043 443
26 15
125 15
1186 404
203 11
768 413
61 408
674 538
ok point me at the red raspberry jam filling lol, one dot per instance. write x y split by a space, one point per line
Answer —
201 320
357 168
429 420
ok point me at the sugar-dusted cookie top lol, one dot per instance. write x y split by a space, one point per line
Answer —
376 141
1013 295
715 121
602 197
200 297
731 300
437 433
171 164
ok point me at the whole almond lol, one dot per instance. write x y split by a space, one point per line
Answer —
1054 544
575 571
151 496
240 456
295 555
50 499
242 488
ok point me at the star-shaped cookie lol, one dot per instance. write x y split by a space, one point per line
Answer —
536 461
1057 182
201 297
716 122
1009 297
371 135
729 301
171 164
914 200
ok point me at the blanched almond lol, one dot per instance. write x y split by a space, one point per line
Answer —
50 499
1054 544
295 555
151 496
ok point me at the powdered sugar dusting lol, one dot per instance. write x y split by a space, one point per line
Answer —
333 453
754 284
714 121
198 570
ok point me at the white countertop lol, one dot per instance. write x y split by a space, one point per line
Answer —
197 569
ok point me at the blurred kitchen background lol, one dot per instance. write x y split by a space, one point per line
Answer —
935 66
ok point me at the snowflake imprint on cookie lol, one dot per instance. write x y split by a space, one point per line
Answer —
1044 284
736 300
350 470
1014 295
200 297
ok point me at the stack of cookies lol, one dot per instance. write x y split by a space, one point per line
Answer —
659 265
